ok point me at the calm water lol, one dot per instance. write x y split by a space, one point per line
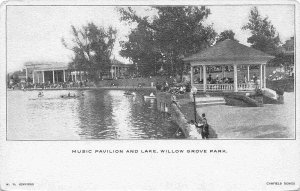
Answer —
99 114
108 114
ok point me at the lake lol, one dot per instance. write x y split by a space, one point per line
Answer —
109 114
99 114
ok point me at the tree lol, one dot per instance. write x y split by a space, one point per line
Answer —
92 47
140 48
264 36
172 33
227 34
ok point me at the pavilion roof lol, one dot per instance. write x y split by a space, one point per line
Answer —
47 65
115 62
229 50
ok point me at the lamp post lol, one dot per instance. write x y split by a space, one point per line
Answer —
194 92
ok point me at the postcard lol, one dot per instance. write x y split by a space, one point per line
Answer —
137 95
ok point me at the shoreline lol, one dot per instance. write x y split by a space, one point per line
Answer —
86 88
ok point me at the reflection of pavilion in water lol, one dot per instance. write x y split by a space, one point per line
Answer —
228 53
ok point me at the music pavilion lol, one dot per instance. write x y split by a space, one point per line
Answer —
56 72
228 53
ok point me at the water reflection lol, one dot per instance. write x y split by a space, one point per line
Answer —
99 114
109 114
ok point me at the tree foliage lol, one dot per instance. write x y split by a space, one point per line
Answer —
264 36
227 34
164 39
140 48
92 47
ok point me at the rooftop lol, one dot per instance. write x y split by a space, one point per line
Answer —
116 62
47 65
229 50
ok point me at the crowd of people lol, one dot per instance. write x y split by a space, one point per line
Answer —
227 80
174 88
48 85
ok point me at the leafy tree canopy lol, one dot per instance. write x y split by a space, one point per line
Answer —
264 36
165 38
92 47
227 34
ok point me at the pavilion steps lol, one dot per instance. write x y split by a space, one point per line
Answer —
209 101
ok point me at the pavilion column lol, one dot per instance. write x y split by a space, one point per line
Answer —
26 73
235 78
204 78
38 75
32 76
115 72
53 76
200 72
75 76
72 76
223 71
248 73
64 75
192 75
265 79
260 76
80 76
43 73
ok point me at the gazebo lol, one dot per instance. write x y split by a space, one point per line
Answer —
228 53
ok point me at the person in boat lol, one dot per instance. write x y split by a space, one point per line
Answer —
40 94
69 94
181 90
152 94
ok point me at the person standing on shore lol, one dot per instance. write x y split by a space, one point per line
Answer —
204 126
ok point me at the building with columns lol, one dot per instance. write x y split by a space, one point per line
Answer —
228 53
56 72
48 72
118 69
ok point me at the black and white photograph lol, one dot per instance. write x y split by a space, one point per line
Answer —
149 95
150 72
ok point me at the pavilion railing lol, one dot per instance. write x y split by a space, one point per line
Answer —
219 87
227 87
247 86
199 86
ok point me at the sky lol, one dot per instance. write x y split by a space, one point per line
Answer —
34 32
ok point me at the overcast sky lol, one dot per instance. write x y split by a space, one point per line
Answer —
34 32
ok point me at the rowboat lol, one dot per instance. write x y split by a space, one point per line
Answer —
149 97
129 94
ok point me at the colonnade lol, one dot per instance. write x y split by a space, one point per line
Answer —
202 75
115 71
43 76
